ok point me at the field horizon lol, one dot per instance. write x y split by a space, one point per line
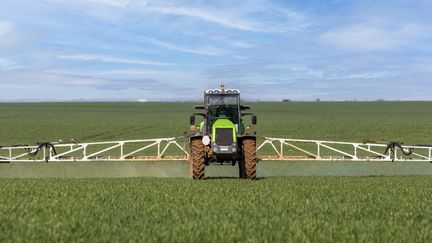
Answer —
200 100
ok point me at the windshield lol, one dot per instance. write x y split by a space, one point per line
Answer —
223 106
222 100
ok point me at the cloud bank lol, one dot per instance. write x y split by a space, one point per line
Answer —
172 50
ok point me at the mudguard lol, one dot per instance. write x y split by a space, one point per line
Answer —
240 138
193 137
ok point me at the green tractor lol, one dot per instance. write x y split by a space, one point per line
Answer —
221 136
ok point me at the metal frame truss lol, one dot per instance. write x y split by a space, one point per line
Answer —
139 150
302 149
169 149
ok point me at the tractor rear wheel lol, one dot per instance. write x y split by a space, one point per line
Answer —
197 159
249 158
242 170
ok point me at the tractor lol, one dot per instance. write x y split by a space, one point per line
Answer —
221 136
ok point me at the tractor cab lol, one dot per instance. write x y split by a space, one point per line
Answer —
222 104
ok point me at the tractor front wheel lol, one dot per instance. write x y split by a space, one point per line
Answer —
249 158
197 159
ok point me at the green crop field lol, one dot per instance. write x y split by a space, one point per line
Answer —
153 201
347 121
278 209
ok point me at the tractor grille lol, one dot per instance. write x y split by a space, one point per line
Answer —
224 136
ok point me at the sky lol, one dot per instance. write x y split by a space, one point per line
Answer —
129 50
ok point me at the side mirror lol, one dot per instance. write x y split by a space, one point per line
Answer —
192 120
244 107
254 120
200 107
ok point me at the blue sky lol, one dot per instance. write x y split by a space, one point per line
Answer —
173 50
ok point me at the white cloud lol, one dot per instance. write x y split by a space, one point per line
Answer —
117 3
6 28
113 3
158 74
290 72
48 79
242 44
207 15
168 7
372 37
254 16
6 64
9 35
85 57
182 75
208 50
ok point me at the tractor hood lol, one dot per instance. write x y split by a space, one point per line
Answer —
224 132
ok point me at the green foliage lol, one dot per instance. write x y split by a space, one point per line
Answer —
409 122
272 209
31 123
347 121
381 209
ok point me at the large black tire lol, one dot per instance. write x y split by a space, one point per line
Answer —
242 170
197 159
249 158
